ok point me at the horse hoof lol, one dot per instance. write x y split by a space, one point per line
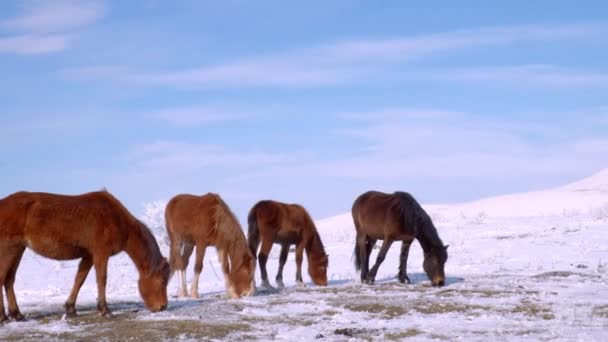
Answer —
106 314
17 316
280 284
194 295
3 318
301 284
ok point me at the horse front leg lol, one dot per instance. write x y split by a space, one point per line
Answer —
363 255
386 244
299 259
282 261
81 275
198 268
101 271
405 250
224 257
9 287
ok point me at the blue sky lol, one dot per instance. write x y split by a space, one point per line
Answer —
310 102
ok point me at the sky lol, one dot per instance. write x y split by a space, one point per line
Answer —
303 102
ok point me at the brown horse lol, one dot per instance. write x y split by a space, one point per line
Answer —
92 227
392 217
202 221
287 224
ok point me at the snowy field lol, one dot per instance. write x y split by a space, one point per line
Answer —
531 266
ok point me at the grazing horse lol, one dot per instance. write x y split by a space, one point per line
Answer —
286 224
202 221
91 227
393 217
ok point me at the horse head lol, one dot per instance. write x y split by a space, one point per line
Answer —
317 268
153 286
242 277
434 263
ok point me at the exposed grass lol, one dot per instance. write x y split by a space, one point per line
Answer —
118 329
401 335
387 311
600 311
441 308
512 237
533 310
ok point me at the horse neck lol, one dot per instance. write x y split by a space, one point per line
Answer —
427 236
142 248
315 247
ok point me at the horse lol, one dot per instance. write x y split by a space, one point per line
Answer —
91 227
393 217
286 224
202 221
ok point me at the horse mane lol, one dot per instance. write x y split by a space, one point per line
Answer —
412 213
315 245
137 227
231 237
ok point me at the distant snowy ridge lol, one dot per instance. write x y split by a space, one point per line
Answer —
587 197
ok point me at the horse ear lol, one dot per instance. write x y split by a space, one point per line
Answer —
446 247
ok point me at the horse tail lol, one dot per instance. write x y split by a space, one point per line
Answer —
356 251
357 257
168 226
253 233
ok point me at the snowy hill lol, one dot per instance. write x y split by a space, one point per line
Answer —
522 266
585 198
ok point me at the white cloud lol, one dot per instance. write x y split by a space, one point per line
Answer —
342 61
521 76
190 157
199 115
34 44
52 16
47 26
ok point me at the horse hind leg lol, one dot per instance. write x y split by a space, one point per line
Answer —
386 244
85 265
262 259
282 261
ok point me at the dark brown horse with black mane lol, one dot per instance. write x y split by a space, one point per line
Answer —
202 221
286 224
396 217
91 227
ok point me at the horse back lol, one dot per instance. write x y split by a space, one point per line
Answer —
66 226
381 215
191 217
281 221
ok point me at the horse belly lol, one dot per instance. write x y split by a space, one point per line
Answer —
290 237
54 250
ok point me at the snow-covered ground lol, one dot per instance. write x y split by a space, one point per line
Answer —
526 266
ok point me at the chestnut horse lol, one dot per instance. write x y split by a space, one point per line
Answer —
286 224
91 227
202 221
393 217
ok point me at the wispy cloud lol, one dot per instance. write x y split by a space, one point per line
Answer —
191 157
341 61
521 76
51 16
34 44
45 26
208 114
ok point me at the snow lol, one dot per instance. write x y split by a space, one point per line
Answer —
524 266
